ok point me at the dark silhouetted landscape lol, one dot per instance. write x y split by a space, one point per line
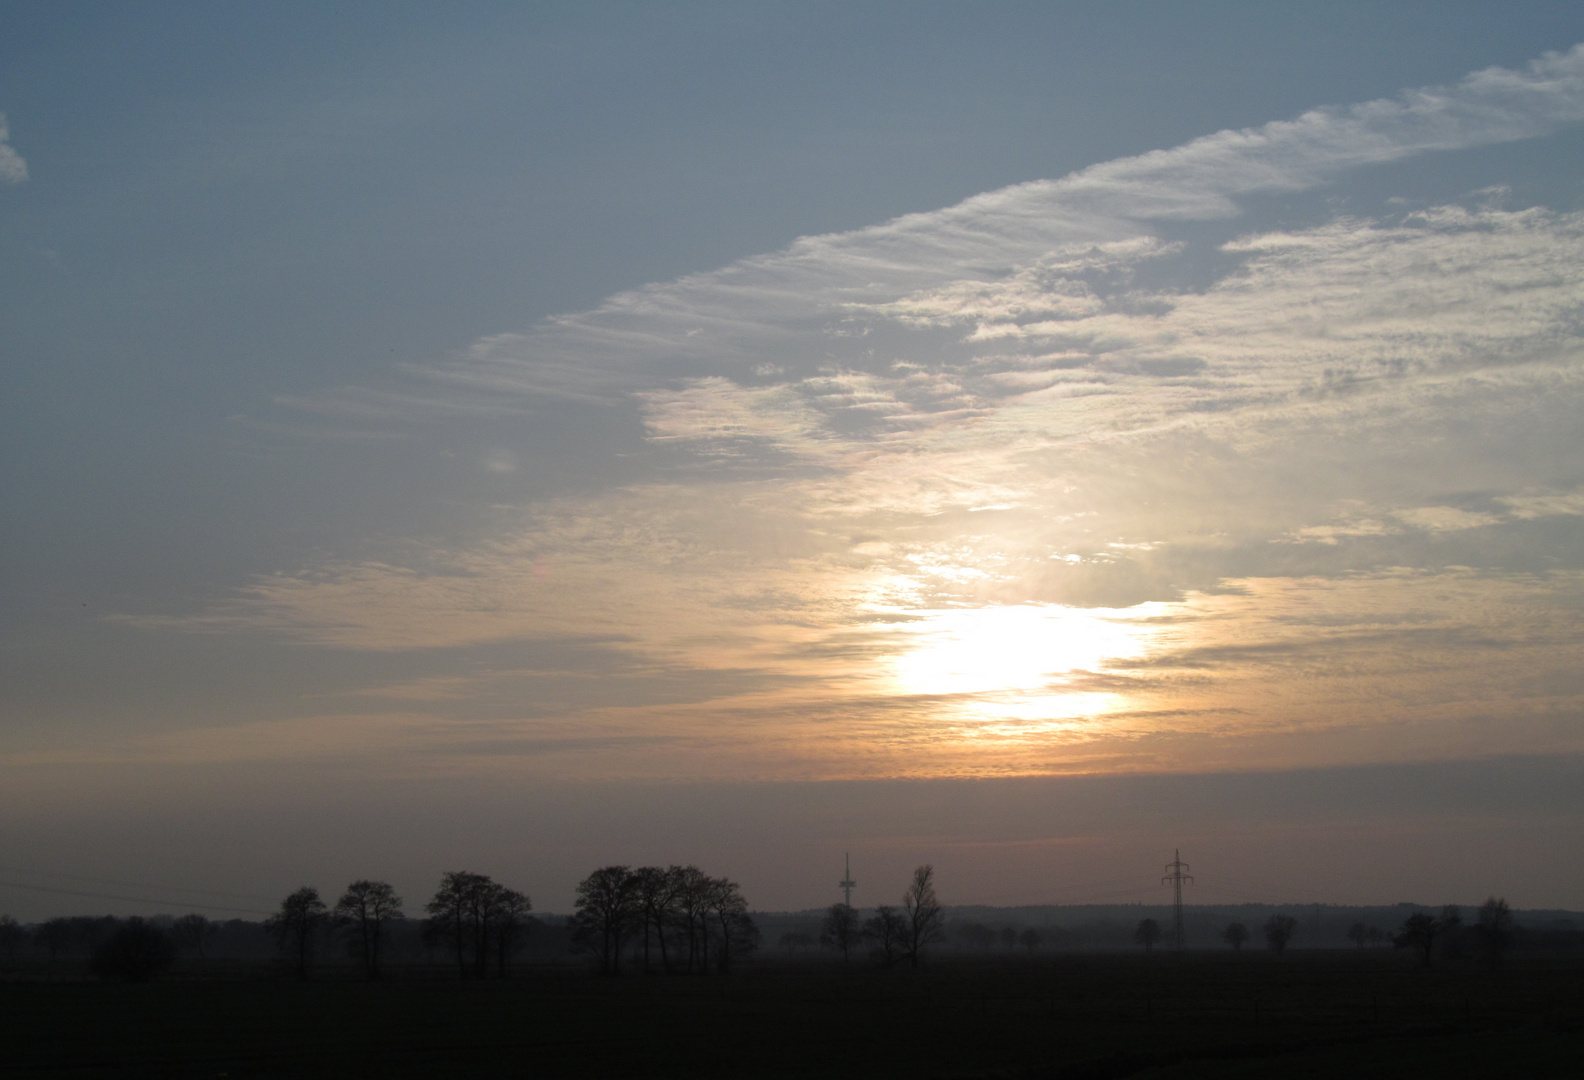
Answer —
666 972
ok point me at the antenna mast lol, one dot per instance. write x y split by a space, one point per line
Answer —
1176 876
847 884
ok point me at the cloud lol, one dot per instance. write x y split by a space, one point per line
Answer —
1538 505
13 170
720 413
728 322
1334 363
1394 665
972 491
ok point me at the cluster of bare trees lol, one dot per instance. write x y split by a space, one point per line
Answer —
1492 931
480 919
894 934
692 922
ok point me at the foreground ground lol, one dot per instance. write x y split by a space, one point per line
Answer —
1318 1014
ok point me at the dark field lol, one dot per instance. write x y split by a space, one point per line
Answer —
1316 1014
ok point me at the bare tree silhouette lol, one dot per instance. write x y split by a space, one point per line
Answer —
296 924
364 909
887 928
607 907
839 930
1279 930
737 933
1235 935
448 916
1147 933
486 916
1029 939
191 931
925 918
1358 934
727 929
1419 931
1494 929
657 890
511 924
690 913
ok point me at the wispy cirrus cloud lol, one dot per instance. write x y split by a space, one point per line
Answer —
727 321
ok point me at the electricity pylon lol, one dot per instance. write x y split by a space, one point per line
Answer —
847 884
1176 876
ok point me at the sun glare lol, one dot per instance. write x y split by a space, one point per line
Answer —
1026 647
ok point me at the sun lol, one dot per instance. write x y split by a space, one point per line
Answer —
1023 647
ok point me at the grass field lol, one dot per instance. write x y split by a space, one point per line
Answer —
1197 1015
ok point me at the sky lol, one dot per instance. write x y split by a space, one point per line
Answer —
1029 439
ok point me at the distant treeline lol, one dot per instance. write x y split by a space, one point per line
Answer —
678 920
1111 927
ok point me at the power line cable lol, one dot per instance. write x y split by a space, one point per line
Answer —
132 884
129 899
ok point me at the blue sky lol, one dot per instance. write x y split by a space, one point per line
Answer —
417 409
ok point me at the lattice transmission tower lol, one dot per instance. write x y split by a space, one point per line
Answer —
1177 876
847 884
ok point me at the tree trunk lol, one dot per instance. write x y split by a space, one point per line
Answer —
665 960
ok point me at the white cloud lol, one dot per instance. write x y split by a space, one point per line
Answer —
13 169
